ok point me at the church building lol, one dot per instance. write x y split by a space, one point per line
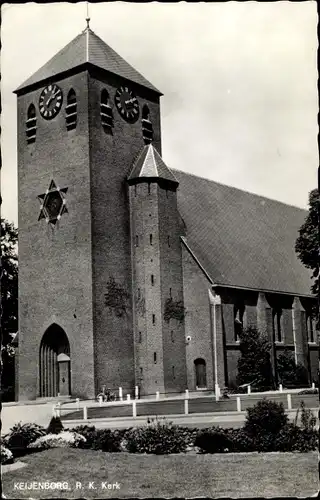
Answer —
132 273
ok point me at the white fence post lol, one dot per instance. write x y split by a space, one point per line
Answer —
249 389
186 406
85 413
120 393
238 403
128 397
134 408
136 392
280 388
58 409
187 393
313 386
289 401
157 395
100 400
78 403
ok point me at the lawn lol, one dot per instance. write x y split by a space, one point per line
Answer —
184 475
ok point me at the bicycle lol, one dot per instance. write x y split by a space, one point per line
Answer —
106 395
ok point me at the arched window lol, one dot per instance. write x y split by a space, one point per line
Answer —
201 373
106 112
147 128
239 321
71 110
31 124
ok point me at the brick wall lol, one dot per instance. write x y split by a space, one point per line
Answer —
55 283
197 321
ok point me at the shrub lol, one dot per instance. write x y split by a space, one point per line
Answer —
213 441
293 438
6 455
290 373
55 426
266 417
107 440
155 437
64 439
308 420
309 391
21 435
88 432
241 441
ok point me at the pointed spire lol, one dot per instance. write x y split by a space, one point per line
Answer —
149 165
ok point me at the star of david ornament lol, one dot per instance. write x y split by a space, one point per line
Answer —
53 203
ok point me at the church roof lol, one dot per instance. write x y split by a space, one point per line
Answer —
87 47
150 165
242 239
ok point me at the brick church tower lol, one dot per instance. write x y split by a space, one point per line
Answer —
86 121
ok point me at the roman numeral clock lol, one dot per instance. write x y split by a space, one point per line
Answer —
50 101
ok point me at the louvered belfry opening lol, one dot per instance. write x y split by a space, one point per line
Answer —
106 112
54 343
71 110
147 128
31 124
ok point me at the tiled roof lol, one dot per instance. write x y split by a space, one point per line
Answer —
149 164
87 48
242 239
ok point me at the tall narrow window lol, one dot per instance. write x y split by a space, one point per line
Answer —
137 240
310 327
172 336
277 324
173 374
31 124
141 371
238 311
149 188
169 241
71 110
153 319
155 357
150 239
139 293
147 128
106 112
170 292
152 279
140 337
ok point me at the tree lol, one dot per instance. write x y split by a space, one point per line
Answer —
9 305
254 364
307 243
290 373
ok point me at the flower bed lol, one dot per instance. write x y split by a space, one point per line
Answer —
65 439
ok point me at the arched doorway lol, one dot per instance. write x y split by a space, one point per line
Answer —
201 373
54 363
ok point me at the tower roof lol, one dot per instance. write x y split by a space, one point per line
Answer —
150 165
88 48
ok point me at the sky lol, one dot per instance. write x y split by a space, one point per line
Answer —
239 81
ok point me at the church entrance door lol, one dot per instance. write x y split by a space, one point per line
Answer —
64 374
54 363
201 375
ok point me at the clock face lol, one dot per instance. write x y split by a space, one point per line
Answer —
127 104
50 101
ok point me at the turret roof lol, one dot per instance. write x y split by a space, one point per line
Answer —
150 165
